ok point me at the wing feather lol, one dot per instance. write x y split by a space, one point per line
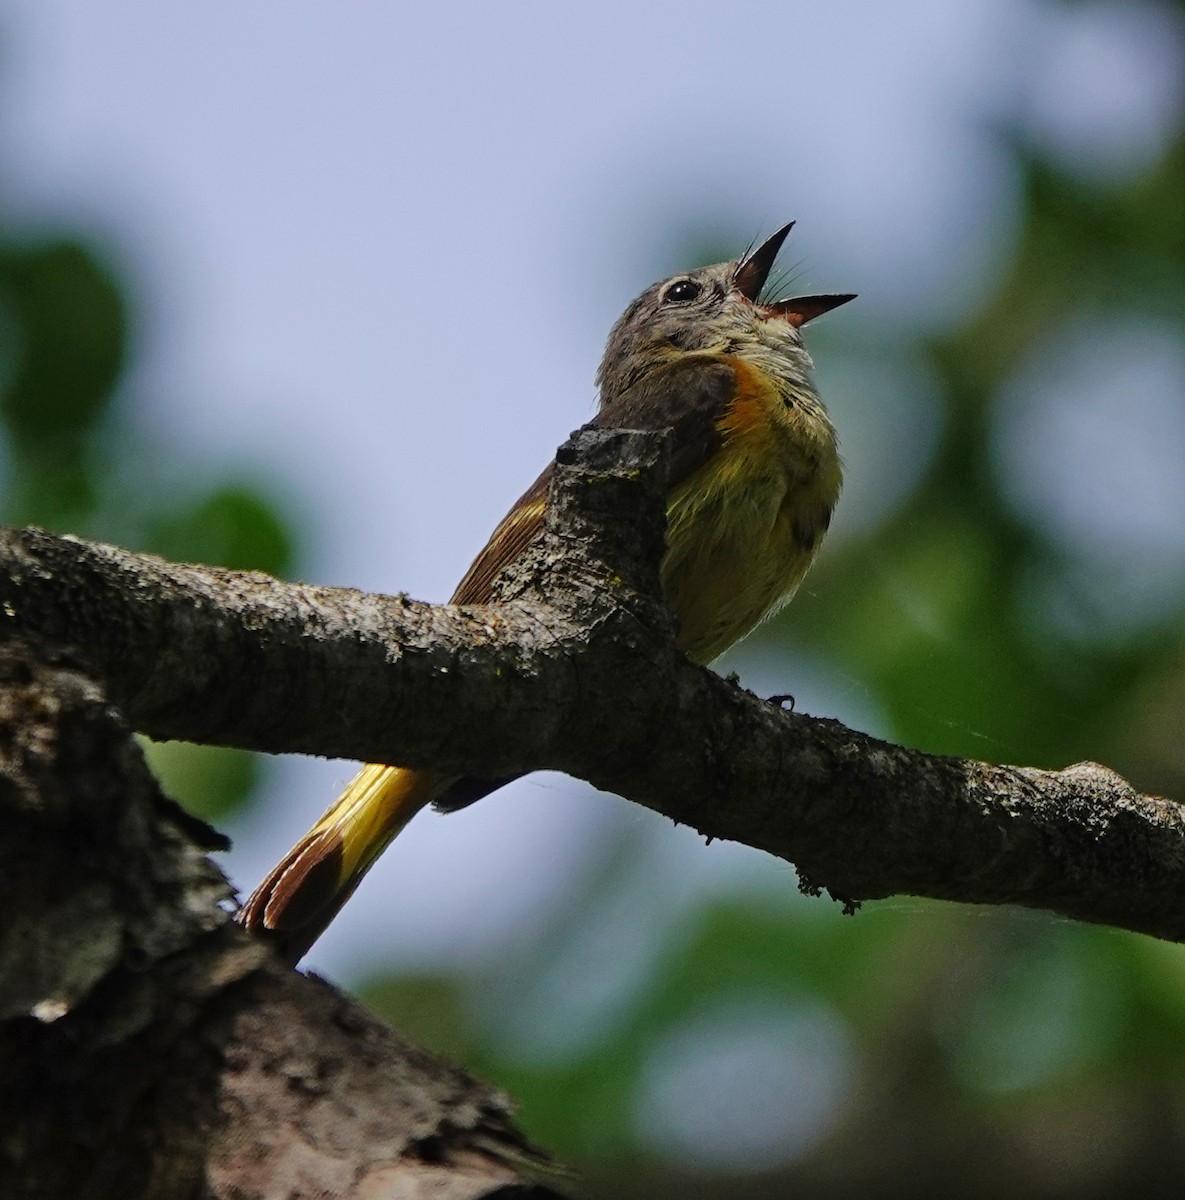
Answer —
508 541
691 395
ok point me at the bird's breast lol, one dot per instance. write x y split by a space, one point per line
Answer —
743 529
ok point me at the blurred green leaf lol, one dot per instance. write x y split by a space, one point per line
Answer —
210 781
71 327
232 526
431 1010
1048 1009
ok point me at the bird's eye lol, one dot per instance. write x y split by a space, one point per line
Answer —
682 291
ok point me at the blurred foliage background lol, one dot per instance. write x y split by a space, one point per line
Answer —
76 461
1023 601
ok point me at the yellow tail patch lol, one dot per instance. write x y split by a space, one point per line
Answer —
304 892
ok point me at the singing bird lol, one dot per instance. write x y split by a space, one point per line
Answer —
755 476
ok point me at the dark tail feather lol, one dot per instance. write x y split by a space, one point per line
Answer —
466 791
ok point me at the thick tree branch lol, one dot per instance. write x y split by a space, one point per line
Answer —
148 1047
576 670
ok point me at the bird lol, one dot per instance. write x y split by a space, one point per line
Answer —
754 478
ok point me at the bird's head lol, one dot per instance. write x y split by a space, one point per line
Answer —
718 310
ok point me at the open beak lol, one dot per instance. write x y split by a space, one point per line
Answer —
800 309
754 271
751 275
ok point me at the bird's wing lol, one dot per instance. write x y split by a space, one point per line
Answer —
689 396
515 531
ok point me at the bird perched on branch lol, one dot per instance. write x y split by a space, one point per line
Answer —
755 475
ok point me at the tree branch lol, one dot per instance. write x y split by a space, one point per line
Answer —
148 1047
575 669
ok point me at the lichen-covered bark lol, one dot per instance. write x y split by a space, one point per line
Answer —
150 1049
575 669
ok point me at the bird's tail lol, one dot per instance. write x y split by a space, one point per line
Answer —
296 902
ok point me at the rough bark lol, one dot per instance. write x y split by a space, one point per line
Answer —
148 1048
575 669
